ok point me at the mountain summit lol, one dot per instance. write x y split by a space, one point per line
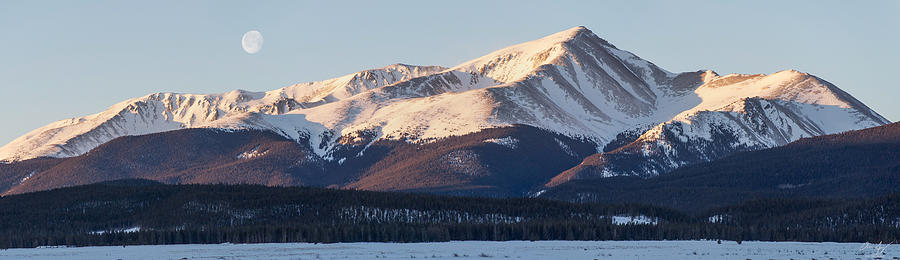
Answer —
563 92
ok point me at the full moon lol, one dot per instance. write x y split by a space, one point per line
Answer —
252 41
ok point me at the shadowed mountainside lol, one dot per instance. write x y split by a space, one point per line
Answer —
854 164
494 162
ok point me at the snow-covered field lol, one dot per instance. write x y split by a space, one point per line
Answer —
645 250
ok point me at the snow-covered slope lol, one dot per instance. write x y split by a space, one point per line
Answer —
737 113
777 108
572 82
749 112
162 112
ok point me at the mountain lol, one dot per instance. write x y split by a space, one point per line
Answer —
555 96
855 164
162 112
737 113
570 82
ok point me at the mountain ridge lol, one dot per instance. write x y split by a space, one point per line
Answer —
769 119
572 83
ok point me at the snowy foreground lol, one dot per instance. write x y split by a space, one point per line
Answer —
645 250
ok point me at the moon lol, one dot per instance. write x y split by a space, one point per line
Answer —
252 41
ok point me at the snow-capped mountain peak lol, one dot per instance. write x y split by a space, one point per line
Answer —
736 112
571 82
516 62
719 93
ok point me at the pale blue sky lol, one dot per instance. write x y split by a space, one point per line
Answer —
61 59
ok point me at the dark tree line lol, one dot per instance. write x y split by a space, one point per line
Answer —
102 214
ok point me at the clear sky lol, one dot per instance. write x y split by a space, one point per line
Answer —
62 59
